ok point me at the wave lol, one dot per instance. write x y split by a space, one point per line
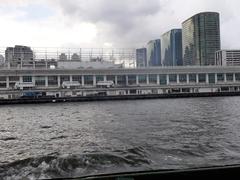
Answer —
63 166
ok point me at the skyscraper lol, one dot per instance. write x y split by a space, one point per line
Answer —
141 57
154 53
201 39
171 48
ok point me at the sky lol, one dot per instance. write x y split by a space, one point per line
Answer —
106 23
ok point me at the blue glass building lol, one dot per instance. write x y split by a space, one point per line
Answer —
171 48
154 53
141 57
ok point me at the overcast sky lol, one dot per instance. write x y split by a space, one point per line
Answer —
106 23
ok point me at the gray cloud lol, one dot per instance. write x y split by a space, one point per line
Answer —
131 23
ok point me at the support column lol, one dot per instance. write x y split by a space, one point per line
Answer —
7 82
207 79
104 78
225 77
33 80
158 79
197 78
70 78
83 83
59 81
234 77
94 80
137 79
127 80
21 79
178 82
167 76
148 82
116 80
216 79
188 81
46 81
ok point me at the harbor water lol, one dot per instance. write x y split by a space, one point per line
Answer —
88 138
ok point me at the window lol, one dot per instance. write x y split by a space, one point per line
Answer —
99 78
88 80
27 78
40 80
229 77
163 79
220 77
173 78
77 78
211 78
182 78
192 78
52 80
202 78
132 79
153 79
64 78
237 76
142 79
2 78
121 80
13 78
111 78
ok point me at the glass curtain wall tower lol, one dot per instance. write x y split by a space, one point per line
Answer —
201 39
171 45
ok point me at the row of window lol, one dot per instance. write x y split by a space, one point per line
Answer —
130 79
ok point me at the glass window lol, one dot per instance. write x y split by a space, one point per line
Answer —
182 78
2 78
52 80
121 80
192 78
3 85
237 76
40 80
64 78
111 78
27 78
153 79
88 80
220 77
13 78
132 79
99 78
211 78
229 76
142 79
173 78
202 78
77 78
163 79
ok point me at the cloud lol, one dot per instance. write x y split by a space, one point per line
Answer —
100 23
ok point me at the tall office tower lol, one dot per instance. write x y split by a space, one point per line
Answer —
141 57
154 53
201 39
171 48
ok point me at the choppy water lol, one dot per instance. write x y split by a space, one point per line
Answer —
76 139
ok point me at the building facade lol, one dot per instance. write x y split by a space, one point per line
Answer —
154 53
201 39
141 57
17 55
228 58
171 48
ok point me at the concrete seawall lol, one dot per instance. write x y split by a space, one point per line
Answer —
111 98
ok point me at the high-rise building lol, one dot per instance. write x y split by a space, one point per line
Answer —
228 58
141 57
171 48
154 53
18 54
201 39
